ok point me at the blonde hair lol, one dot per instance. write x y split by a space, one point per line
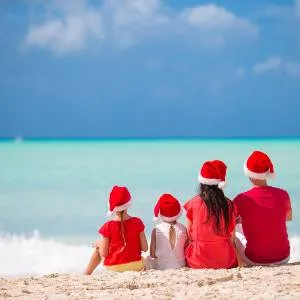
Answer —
122 229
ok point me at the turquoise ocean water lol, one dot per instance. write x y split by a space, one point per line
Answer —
53 194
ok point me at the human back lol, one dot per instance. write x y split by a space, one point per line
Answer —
210 221
263 211
123 238
170 256
204 226
122 250
169 237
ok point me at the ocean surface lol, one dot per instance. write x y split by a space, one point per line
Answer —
53 194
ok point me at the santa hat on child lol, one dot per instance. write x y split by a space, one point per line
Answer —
213 173
259 166
119 199
168 208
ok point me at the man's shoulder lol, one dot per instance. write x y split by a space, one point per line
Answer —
278 190
242 196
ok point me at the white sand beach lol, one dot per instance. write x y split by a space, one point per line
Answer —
241 283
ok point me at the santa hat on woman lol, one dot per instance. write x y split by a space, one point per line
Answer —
168 208
259 166
213 173
119 199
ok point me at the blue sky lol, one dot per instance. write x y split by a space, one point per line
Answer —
149 68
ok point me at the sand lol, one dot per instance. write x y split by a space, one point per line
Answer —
242 283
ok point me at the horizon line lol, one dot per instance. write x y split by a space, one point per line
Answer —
134 138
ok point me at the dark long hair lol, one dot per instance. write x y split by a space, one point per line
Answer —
218 206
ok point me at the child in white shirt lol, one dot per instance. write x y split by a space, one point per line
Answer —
169 237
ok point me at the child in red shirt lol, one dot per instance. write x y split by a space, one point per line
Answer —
123 238
211 221
263 210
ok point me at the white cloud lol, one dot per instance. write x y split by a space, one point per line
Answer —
216 25
273 63
70 25
130 20
68 33
277 64
215 18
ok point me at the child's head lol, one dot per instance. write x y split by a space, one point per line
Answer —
119 199
168 208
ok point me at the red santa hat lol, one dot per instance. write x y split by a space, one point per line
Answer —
119 199
213 173
168 208
259 166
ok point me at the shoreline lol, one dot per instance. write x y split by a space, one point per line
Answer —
268 282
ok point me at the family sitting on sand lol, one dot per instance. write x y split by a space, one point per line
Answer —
219 233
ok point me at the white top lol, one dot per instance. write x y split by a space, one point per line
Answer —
168 258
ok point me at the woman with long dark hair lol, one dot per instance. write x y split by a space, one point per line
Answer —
211 221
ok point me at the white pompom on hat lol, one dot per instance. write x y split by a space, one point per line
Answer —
213 173
259 166
119 199
168 208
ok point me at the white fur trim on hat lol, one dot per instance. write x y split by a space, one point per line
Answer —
110 213
222 185
208 181
258 176
171 219
119 208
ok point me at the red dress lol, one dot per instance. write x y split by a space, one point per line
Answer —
132 252
263 211
207 249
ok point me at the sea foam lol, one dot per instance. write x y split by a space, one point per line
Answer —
33 255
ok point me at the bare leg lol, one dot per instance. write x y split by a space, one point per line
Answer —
93 263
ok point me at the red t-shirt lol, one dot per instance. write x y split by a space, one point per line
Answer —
132 252
263 211
207 249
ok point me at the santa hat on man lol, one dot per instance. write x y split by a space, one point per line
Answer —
259 166
213 173
119 199
168 208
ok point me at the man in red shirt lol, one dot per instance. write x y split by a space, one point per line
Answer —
263 211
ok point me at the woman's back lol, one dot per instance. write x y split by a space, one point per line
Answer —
209 248
204 227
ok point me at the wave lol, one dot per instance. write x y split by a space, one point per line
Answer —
34 255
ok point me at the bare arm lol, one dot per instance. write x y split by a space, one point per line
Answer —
153 244
143 241
240 260
104 246
289 216
233 237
